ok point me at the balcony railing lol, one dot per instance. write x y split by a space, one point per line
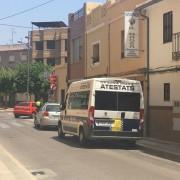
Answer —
176 46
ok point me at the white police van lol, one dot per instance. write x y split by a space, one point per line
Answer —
103 108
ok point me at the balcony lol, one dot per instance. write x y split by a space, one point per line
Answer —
176 46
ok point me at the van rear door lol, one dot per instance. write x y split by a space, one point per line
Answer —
117 111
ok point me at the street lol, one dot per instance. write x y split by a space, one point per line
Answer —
47 157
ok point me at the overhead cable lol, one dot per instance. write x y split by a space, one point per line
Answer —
26 10
17 26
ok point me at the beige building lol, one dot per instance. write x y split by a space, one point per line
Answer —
105 42
10 57
49 46
14 54
77 42
164 50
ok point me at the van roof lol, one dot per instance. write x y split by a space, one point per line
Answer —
105 79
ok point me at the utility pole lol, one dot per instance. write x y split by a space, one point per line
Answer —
12 35
28 68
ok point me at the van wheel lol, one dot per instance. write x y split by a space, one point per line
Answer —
60 131
82 138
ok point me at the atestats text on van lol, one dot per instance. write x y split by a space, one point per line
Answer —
103 108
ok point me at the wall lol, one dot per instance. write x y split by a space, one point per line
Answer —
164 116
104 24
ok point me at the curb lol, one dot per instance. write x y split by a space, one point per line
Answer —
159 151
6 110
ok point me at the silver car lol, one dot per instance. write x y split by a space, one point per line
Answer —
48 115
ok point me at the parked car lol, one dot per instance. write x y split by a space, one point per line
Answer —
48 115
25 109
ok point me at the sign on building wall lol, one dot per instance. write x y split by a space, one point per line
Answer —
131 36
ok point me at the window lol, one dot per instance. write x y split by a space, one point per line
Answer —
176 46
62 95
53 108
95 57
76 49
58 61
122 44
51 61
23 57
167 27
51 44
117 101
78 100
11 59
39 45
66 60
66 44
166 91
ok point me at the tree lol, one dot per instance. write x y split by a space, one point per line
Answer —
7 85
38 81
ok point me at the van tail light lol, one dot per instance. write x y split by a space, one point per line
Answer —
45 113
90 120
141 124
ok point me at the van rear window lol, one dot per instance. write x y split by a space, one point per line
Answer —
53 108
117 101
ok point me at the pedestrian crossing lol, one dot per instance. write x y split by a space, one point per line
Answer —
6 124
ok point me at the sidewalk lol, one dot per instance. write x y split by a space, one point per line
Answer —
11 169
165 149
6 109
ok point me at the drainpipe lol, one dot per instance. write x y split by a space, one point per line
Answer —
147 113
109 51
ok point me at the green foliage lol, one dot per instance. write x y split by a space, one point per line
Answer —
7 84
38 83
21 78
15 80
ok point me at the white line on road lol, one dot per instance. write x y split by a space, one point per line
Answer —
4 126
15 124
27 122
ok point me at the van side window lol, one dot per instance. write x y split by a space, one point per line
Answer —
78 100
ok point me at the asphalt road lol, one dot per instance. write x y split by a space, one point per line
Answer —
48 157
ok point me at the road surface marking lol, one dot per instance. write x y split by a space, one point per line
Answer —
20 170
27 122
15 124
4 126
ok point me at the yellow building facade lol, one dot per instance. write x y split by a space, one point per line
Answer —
105 40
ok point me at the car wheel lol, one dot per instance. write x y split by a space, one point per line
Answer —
37 126
82 138
16 116
41 127
60 131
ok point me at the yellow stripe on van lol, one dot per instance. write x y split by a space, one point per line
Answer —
117 125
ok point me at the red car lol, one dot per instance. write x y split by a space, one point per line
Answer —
25 109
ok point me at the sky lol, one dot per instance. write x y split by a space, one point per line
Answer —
57 10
